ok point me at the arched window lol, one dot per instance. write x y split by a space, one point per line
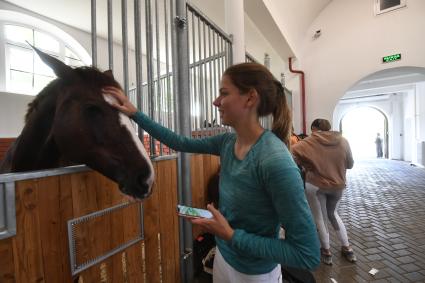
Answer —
25 72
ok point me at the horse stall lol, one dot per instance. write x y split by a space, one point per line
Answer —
73 224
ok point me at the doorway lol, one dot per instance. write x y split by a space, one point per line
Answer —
360 127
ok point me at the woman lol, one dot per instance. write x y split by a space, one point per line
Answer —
325 157
260 186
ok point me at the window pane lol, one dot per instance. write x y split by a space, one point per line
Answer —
73 63
20 58
40 82
46 42
42 68
18 34
20 81
70 54
385 4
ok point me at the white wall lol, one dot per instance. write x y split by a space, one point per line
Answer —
12 112
351 47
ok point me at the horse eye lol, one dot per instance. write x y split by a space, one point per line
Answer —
93 111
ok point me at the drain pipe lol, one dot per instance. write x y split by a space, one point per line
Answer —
302 94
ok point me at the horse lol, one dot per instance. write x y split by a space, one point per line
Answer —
72 122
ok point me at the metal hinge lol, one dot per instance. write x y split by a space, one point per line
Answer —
180 22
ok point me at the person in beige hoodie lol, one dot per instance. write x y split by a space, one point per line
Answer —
325 156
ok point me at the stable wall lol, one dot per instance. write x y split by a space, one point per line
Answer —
351 46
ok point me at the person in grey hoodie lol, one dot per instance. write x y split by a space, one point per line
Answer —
325 156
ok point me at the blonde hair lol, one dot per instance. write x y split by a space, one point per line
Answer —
247 76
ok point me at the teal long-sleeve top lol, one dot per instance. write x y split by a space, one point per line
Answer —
256 195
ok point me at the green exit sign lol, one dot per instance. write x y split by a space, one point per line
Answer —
391 58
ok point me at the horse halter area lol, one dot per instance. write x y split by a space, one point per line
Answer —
72 224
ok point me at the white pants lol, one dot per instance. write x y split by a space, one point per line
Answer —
324 206
224 273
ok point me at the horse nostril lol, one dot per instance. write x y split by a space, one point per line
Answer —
142 182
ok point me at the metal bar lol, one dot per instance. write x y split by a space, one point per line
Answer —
125 44
8 210
139 58
149 58
3 222
11 177
211 23
205 78
181 71
167 66
201 76
210 93
93 34
191 32
193 67
158 70
216 80
110 37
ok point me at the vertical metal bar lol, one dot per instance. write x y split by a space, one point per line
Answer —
110 37
194 68
216 78
167 67
210 95
181 71
139 58
93 34
201 76
149 58
158 69
205 79
125 44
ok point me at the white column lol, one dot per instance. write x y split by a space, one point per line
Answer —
234 25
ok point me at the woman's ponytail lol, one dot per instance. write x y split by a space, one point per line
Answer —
282 119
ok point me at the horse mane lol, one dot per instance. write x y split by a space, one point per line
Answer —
89 75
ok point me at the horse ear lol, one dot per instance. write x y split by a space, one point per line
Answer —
109 74
61 70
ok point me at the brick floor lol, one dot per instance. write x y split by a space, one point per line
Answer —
383 209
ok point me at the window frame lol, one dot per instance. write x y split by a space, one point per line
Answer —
6 45
378 10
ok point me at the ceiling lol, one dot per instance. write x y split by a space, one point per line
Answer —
283 32
393 76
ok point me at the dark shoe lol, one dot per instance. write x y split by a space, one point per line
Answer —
325 257
349 255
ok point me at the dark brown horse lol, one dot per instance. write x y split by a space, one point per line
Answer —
71 122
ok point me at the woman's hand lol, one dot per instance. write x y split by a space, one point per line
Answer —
217 225
124 105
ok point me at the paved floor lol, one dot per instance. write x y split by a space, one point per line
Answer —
384 212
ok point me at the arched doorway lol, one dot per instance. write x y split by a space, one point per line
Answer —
399 94
360 127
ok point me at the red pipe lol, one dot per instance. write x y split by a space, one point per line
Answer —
302 94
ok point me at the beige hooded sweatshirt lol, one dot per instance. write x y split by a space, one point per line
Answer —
325 156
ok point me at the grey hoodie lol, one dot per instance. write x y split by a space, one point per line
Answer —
325 156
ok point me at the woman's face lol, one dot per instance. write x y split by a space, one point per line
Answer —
230 102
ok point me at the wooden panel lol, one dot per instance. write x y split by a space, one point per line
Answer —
28 256
151 219
85 202
40 251
167 187
66 213
4 146
7 272
202 168
49 219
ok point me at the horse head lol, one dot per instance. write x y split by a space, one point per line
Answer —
72 122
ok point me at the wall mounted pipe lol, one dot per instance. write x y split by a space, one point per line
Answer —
303 111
